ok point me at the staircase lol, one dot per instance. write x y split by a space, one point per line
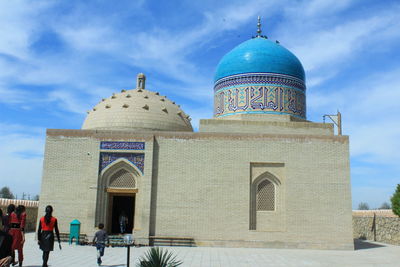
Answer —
116 240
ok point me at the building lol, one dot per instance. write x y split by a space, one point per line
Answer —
258 174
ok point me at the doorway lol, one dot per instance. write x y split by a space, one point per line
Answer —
119 204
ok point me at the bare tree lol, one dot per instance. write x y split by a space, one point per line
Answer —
363 206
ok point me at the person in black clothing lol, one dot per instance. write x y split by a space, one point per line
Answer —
1 220
47 226
6 218
5 249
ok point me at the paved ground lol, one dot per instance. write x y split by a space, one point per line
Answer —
367 254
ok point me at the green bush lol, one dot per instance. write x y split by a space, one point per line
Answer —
156 257
396 201
5 192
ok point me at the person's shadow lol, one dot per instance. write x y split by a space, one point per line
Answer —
364 244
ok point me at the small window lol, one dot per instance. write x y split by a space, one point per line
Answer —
265 196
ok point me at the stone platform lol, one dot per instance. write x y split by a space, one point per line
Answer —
366 254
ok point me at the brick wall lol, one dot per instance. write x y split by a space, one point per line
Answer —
198 185
204 182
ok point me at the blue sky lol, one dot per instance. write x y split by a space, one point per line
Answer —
59 58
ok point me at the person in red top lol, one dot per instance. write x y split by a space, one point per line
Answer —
47 226
21 209
17 232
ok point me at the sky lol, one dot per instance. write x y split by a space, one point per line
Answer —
59 58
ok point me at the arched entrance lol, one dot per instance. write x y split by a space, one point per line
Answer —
117 190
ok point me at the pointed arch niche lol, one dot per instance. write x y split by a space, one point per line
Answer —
267 201
119 181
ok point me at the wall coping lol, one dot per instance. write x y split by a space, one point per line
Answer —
148 136
16 202
370 213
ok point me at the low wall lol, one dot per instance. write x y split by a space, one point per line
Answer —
377 225
31 211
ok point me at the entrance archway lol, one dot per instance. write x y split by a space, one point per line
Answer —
117 190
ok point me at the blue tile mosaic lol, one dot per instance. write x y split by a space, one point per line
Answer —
137 159
260 93
122 145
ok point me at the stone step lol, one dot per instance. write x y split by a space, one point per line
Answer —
83 239
117 240
172 241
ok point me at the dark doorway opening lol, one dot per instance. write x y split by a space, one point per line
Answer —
122 204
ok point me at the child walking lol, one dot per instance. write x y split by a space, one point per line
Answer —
100 238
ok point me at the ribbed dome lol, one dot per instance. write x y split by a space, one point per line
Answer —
259 55
139 110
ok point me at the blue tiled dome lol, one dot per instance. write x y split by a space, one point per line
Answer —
259 55
259 77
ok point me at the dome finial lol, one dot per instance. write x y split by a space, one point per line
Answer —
259 31
141 81
259 27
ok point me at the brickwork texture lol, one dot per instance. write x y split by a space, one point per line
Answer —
201 185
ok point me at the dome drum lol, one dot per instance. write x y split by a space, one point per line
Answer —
260 93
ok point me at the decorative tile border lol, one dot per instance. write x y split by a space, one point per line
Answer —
122 145
260 99
260 78
106 158
260 93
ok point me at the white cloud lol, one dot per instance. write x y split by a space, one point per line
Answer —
22 157
318 8
17 22
67 101
90 38
340 43
323 39
370 115
167 51
12 96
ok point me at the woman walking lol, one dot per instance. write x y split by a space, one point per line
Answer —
47 226
17 232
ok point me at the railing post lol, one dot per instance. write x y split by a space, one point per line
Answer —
128 256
